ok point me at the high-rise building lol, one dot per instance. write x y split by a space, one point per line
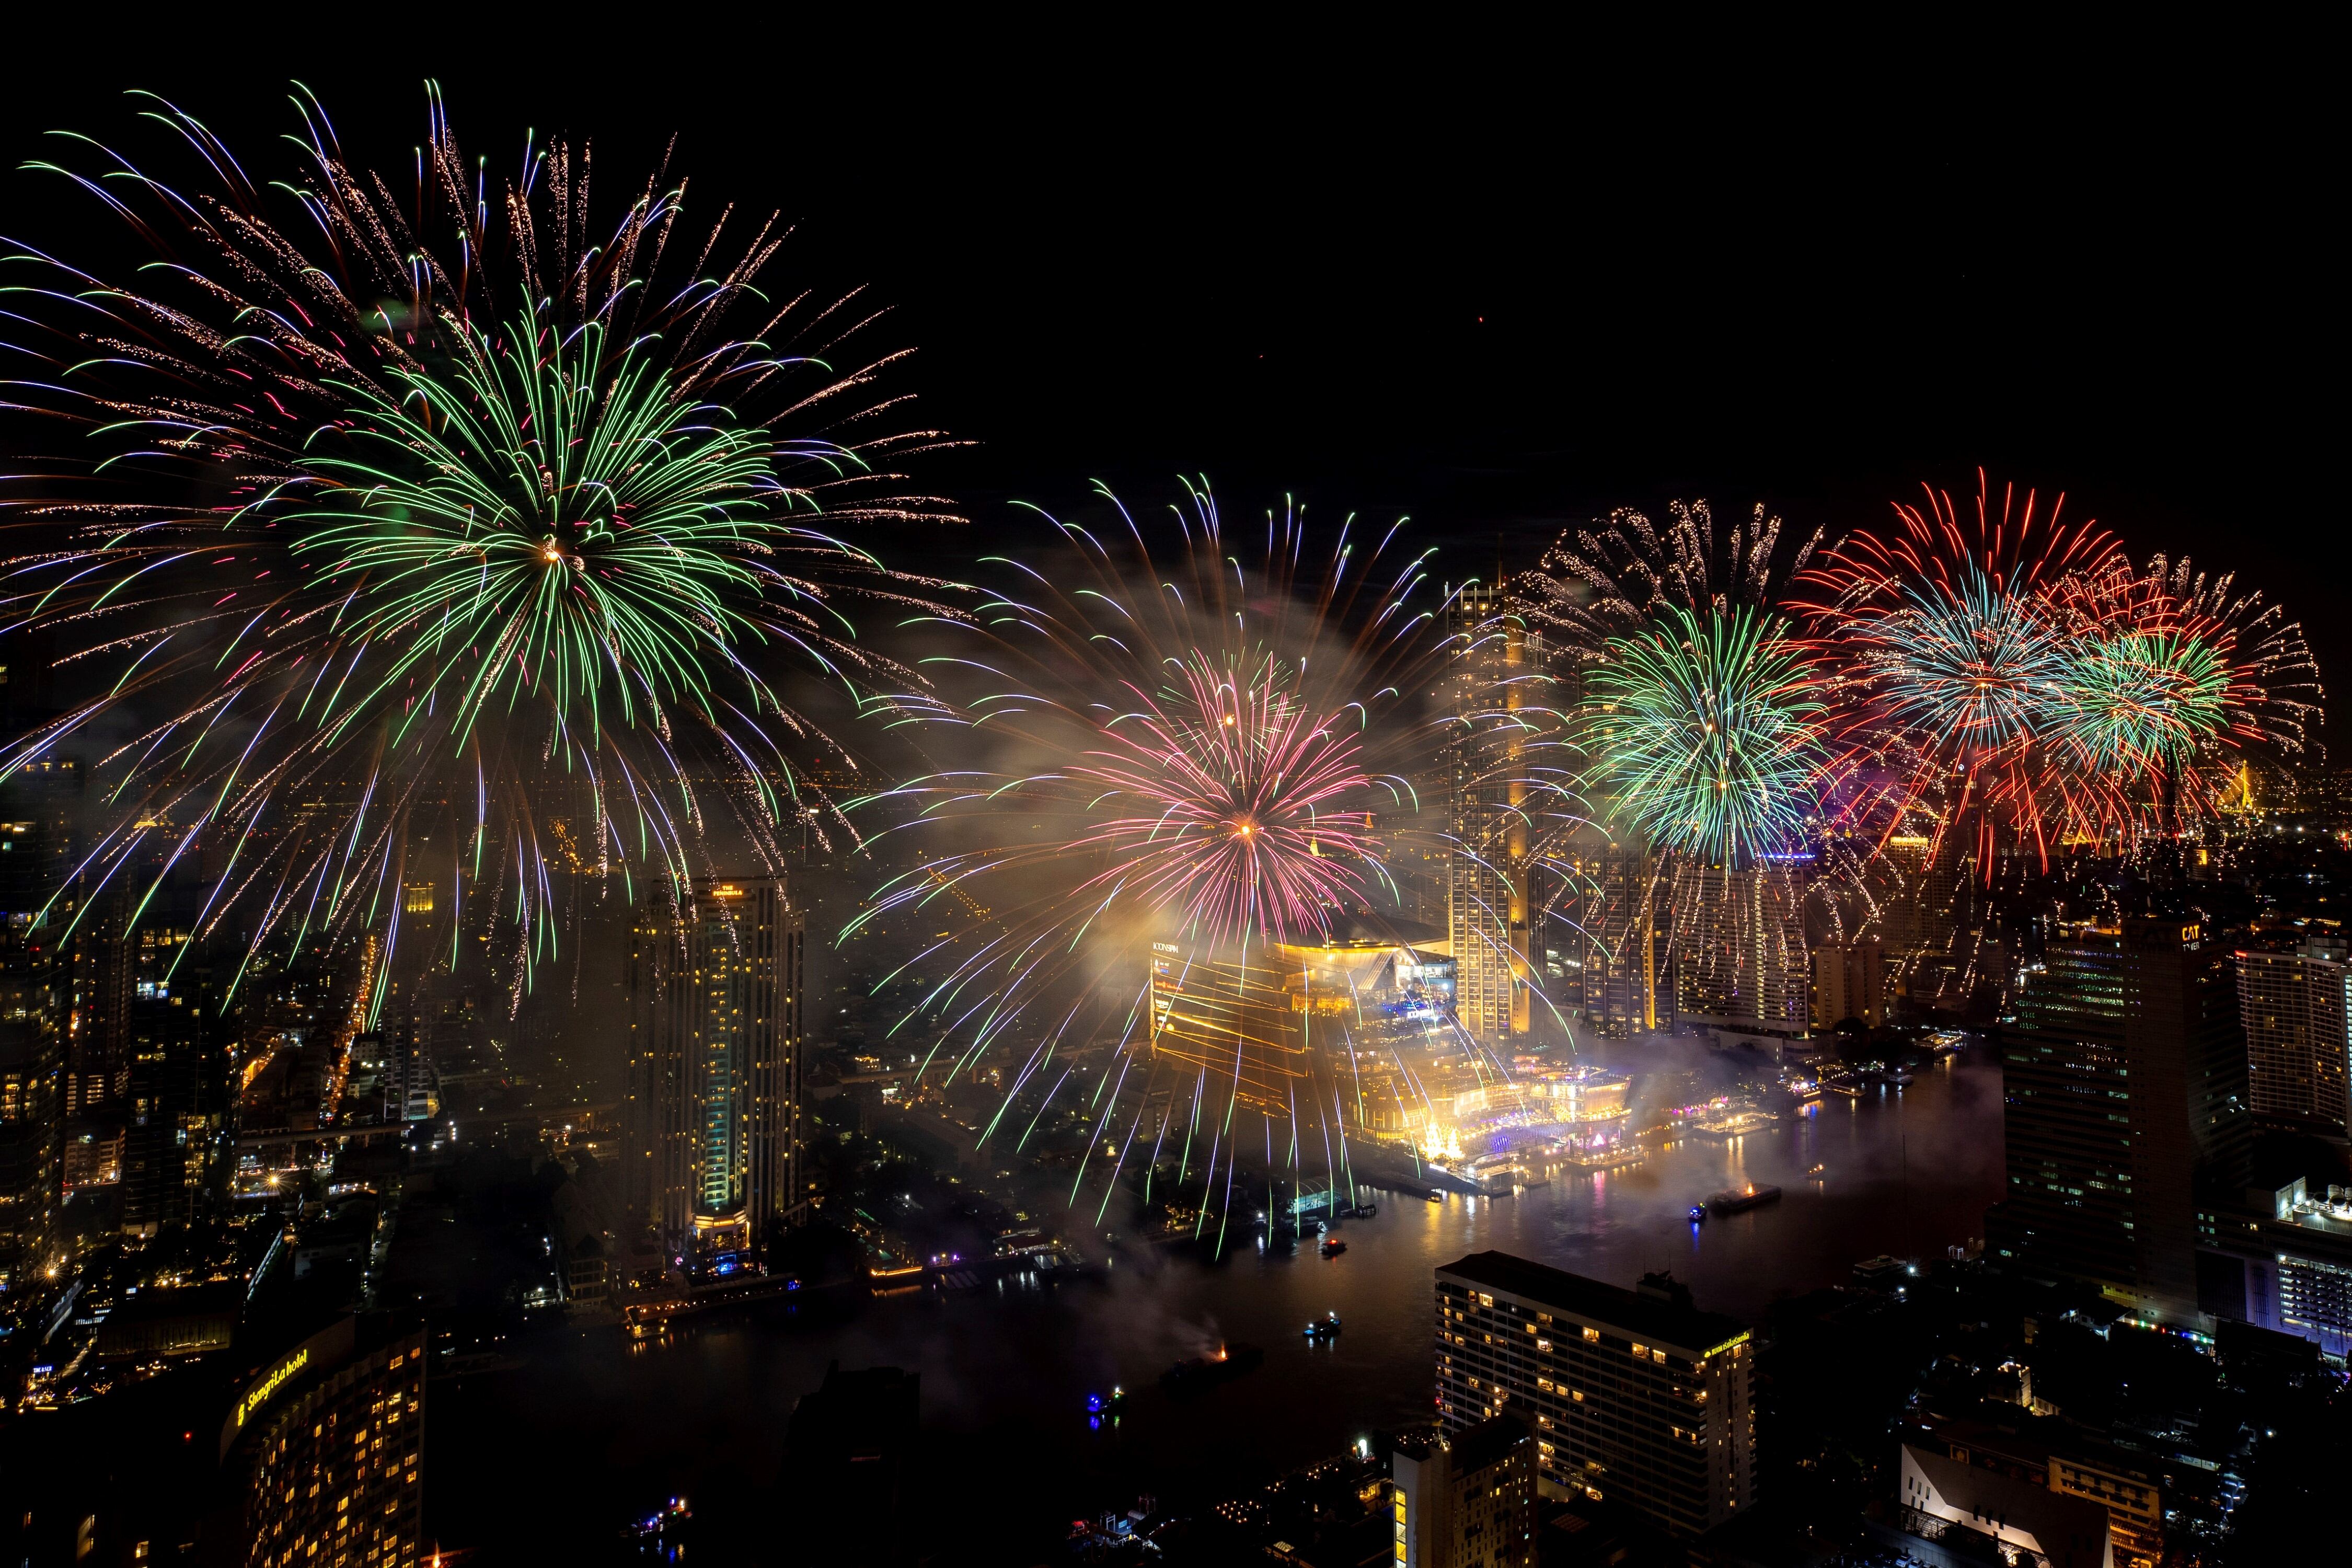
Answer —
2293 1007
1740 946
1610 903
2124 1081
1466 1501
324 1446
1496 674
1850 982
32 1156
717 987
99 962
1634 1395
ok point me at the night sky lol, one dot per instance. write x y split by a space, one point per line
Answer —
1495 288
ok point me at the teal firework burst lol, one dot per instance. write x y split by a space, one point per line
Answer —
1704 730
2143 701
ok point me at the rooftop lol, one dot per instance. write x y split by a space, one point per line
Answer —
1663 1319
1489 1443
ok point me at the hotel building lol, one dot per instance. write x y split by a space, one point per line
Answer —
1632 1395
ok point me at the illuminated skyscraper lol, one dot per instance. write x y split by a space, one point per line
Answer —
2294 1006
1740 946
1498 673
31 1126
1609 912
718 989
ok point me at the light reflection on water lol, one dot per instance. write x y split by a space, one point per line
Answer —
1006 1368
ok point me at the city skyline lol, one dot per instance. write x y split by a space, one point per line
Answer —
1535 890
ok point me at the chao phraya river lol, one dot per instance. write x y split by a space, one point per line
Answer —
1007 1446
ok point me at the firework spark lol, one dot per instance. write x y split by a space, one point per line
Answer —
1195 796
1705 732
347 514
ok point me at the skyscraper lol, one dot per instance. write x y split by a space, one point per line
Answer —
1850 982
718 991
1496 674
2293 1007
1610 906
1634 1395
1740 946
32 1125
2124 1079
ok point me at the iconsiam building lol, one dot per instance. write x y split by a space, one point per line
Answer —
1352 1038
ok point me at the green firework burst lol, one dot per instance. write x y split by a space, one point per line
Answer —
1705 731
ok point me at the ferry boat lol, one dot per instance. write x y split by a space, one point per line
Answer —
1197 1375
1324 1327
1739 1200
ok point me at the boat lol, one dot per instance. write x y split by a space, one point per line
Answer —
1366 1211
1737 1200
1698 1213
1333 1246
1436 1196
1197 1375
1900 1076
1098 1403
1324 1327
1842 1083
1534 1181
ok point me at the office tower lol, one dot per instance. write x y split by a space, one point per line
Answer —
1740 946
32 1158
98 1029
1496 674
1634 1395
1466 1500
718 990
1850 982
2293 1007
2124 1079
325 1448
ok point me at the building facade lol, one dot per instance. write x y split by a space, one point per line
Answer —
32 1152
718 988
1496 674
1850 982
2293 1007
1466 1501
1635 1395
2124 1079
1740 946
325 1450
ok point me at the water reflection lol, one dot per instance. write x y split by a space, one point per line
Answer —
1007 1368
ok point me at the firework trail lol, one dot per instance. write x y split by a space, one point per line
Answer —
1189 785
1702 721
2172 680
1949 628
367 511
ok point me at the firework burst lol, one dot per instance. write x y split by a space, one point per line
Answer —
488 529
1946 630
1166 884
1704 730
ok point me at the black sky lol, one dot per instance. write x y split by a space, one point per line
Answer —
1497 283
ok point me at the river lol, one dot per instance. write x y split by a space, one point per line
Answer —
545 1463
